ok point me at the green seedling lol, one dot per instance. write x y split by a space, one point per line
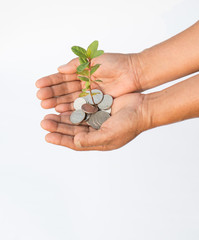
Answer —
85 70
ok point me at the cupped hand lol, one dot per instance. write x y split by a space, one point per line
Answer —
128 119
118 72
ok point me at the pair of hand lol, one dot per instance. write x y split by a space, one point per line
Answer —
119 75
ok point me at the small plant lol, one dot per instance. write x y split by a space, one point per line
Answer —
85 70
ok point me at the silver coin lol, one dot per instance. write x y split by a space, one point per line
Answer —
88 123
86 97
87 117
96 121
77 116
98 96
101 117
92 122
106 103
98 118
78 103
108 110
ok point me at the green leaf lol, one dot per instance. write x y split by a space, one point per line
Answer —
98 53
83 78
84 73
82 60
92 48
81 67
98 80
88 52
94 68
83 94
79 51
87 85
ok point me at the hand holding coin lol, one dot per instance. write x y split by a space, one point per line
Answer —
125 123
95 114
117 72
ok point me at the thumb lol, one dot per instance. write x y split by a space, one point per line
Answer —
91 139
70 67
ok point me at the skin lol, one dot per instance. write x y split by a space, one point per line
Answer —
169 60
174 104
122 74
61 89
124 124
131 114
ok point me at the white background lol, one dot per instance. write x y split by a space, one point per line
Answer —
149 189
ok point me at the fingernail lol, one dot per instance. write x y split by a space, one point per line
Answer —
47 139
61 67
78 144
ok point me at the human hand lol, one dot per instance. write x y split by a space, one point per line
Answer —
125 73
128 119
118 73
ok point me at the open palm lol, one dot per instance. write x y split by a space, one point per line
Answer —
117 72
125 124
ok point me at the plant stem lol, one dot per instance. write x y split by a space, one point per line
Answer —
90 81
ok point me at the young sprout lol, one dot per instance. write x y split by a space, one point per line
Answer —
85 70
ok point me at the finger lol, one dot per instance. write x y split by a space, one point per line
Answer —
55 79
49 103
66 141
64 107
68 113
70 67
63 119
53 126
56 118
53 102
92 139
59 89
60 139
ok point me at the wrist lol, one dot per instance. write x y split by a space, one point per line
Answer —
176 103
136 66
156 109
145 113
152 71
160 108
151 104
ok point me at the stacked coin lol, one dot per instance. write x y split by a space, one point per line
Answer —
95 114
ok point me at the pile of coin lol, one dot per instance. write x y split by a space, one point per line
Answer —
93 113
